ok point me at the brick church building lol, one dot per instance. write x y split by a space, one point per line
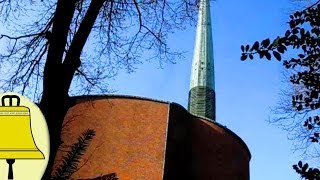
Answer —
140 138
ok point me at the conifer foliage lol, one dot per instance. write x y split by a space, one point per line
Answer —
72 159
303 36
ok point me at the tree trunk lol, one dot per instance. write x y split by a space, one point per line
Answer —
54 117
54 101
58 74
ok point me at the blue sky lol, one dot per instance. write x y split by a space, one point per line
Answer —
245 91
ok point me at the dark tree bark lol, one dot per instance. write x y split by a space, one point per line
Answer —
58 74
55 97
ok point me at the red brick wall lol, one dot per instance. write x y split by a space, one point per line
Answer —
130 137
134 140
216 154
200 149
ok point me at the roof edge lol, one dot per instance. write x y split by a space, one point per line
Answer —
166 102
118 96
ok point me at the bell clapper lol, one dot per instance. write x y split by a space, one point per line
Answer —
10 173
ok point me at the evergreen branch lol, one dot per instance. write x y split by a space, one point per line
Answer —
71 160
112 176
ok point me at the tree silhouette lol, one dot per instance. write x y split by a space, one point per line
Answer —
303 36
57 47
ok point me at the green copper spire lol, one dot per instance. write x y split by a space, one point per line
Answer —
202 88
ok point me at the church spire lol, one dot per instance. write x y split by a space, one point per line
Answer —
202 88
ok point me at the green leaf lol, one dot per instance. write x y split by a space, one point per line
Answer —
302 31
316 31
292 24
293 37
287 33
244 57
255 46
314 139
284 47
280 49
276 41
247 48
268 55
301 56
277 55
299 108
305 167
242 48
261 54
314 94
307 34
295 31
265 43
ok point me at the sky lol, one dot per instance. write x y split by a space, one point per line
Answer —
245 91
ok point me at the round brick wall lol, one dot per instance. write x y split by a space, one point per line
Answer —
138 138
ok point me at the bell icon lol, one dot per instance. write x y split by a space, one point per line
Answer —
16 139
